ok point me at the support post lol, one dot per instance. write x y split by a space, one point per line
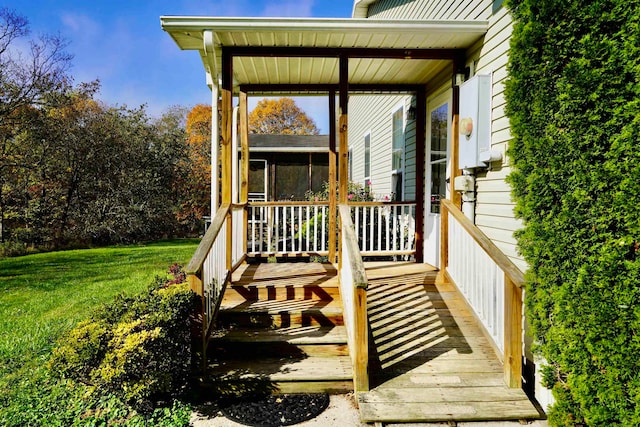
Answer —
444 244
226 151
362 340
343 125
244 172
333 181
456 198
215 144
512 364
197 286
421 141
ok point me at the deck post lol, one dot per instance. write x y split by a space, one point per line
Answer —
455 196
421 141
343 125
215 144
226 152
244 172
512 333
361 340
444 243
332 178
197 286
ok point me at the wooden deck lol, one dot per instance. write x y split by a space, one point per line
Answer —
430 361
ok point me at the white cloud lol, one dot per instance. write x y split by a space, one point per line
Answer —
78 25
289 8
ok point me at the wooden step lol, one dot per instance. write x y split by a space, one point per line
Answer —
269 291
309 341
281 314
284 374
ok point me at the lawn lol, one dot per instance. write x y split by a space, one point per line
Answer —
44 295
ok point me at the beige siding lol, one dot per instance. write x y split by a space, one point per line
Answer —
494 208
430 9
373 113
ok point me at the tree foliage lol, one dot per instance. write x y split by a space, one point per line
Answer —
573 98
280 116
195 181
76 171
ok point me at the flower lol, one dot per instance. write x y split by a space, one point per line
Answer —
350 196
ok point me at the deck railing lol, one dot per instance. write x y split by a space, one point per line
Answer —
385 228
353 290
219 253
276 228
489 281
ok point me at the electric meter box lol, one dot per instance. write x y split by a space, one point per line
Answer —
475 122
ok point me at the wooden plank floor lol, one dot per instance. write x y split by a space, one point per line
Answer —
429 360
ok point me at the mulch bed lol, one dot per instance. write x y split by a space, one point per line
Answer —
276 410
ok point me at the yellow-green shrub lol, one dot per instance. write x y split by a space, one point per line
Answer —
137 348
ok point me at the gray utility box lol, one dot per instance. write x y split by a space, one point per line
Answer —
475 122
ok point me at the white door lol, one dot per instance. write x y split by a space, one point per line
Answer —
437 169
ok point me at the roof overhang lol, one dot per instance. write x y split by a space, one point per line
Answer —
300 52
361 8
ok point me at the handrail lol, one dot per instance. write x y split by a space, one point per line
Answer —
489 247
353 290
290 203
208 271
197 260
486 295
352 248
382 203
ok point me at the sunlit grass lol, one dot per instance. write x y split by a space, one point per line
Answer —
43 295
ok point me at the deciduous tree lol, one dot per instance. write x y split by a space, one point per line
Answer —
280 116
27 77
195 184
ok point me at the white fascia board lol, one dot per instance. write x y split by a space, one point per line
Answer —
338 25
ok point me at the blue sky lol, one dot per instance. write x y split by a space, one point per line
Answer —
121 43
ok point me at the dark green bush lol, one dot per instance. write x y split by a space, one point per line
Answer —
136 348
573 98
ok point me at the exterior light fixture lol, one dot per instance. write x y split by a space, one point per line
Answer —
411 113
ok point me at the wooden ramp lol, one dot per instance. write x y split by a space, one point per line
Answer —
429 360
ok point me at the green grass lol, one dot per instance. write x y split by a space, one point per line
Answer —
43 295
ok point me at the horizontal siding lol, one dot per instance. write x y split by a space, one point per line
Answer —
494 208
373 113
431 9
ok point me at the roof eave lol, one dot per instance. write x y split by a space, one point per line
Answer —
361 8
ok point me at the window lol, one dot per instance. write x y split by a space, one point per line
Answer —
367 160
397 156
398 139
497 4
258 180
350 156
438 161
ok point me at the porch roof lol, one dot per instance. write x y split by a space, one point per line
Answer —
300 54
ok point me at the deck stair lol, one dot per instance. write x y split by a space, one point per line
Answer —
281 330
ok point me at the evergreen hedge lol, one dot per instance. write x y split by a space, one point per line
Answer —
573 98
